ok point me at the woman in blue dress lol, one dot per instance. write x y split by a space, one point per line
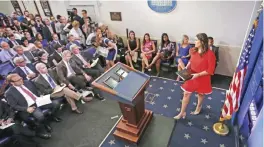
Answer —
112 49
182 54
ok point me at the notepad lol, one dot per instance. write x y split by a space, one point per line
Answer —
185 74
44 100
6 126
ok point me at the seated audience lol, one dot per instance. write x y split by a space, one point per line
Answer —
21 134
165 53
27 46
71 41
214 49
44 58
44 42
110 46
182 54
84 63
26 71
132 46
6 53
39 47
48 30
47 82
147 49
12 41
29 38
77 33
72 75
56 41
28 57
22 96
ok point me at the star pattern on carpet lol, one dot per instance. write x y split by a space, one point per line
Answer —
164 81
190 123
175 84
209 98
146 92
223 93
150 85
207 116
204 141
206 128
178 109
111 142
152 103
161 88
222 101
172 90
241 138
221 145
157 95
208 106
154 80
194 103
165 106
187 136
169 98
126 145
196 95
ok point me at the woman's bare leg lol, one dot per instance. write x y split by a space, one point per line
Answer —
158 56
129 60
185 102
180 67
158 66
199 105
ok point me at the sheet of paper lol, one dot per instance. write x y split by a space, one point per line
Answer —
94 62
6 126
44 100
58 89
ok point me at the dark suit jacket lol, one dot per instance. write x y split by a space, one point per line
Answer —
215 50
16 100
21 73
74 42
53 43
62 71
56 57
78 61
29 55
12 45
6 111
46 32
43 86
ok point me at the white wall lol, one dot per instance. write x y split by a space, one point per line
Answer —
226 21
6 7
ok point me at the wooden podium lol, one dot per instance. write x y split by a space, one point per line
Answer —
127 86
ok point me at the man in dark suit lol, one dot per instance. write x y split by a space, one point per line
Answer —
26 71
72 75
13 41
48 81
39 47
57 55
56 41
28 57
75 15
214 49
48 30
22 97
21 134
71 41
84 63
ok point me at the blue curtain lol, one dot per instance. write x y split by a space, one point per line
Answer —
256 137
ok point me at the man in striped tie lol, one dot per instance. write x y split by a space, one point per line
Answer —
26 71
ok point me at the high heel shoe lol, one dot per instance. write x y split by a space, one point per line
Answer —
196 112
179 116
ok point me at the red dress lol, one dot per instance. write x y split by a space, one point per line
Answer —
206 63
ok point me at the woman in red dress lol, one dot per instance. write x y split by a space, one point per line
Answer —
202 65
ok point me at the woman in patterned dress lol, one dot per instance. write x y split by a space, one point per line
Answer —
202 66
147 48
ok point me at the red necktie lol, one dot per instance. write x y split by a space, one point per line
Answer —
29 93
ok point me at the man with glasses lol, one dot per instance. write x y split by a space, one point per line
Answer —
26 71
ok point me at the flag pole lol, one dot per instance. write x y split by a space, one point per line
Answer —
221 128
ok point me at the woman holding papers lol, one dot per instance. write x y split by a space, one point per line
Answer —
202 66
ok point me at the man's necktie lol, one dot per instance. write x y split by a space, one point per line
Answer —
58 43
10 53
70 68
82 59
29 93
51 82
27 72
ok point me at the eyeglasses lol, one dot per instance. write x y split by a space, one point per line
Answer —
17 80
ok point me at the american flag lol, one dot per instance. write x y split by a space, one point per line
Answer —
233 94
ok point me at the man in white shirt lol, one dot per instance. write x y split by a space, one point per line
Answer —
26 71
48 83
7 53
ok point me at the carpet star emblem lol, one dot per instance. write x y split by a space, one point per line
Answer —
157 94
223 93
204 141
172 90
190 123
221 145
209 98
154 79
207 116
161 88
111 142
175 84
178 109
208 106
206 128
146 92
194 103
222 101
187 136
169 98
241 137
152 103
165 106
164 81
150 85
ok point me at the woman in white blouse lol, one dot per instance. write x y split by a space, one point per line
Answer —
77 32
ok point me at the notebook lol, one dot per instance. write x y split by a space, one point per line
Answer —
185 74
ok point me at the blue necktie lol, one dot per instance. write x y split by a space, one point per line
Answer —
52 84
27 72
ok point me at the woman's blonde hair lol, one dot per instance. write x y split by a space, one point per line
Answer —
75 23
184 36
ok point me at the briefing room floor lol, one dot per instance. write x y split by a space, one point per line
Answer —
90 128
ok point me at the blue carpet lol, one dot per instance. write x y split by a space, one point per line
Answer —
163 96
